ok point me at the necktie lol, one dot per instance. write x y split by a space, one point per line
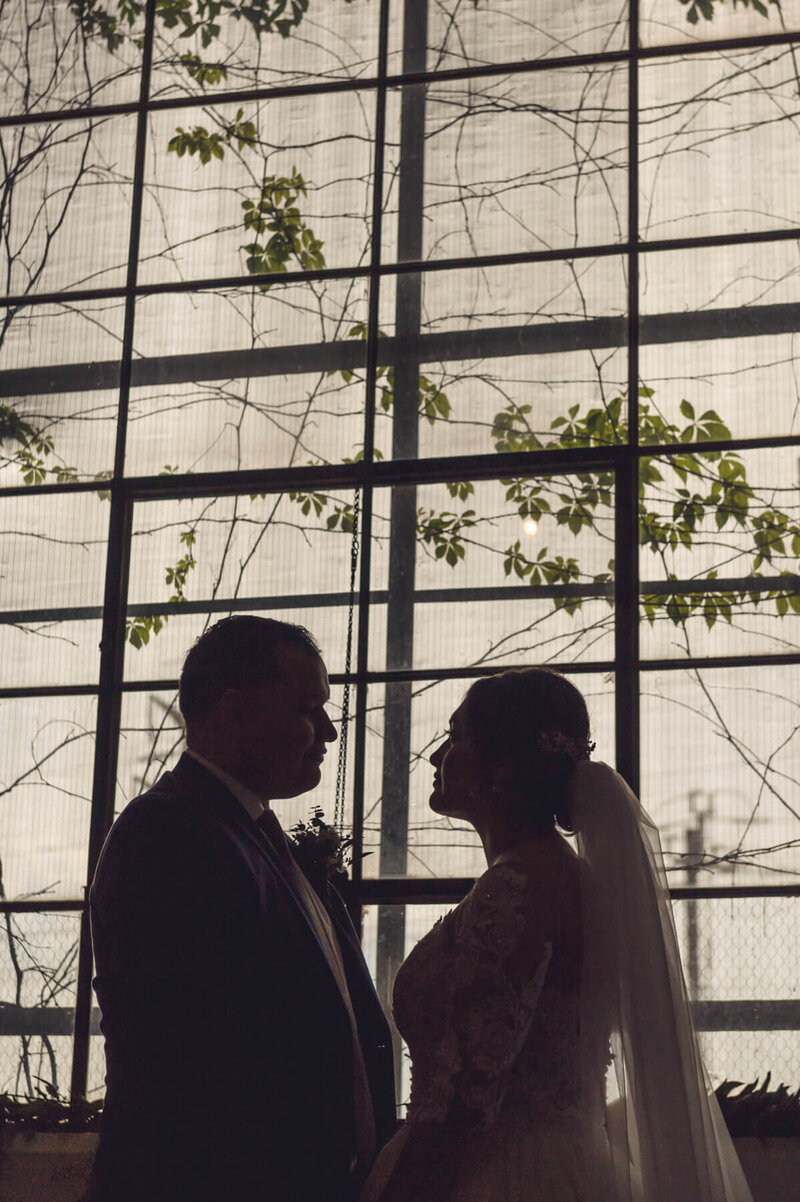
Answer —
269 824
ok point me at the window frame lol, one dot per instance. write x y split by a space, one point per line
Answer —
370 474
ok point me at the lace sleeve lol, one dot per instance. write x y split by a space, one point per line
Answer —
500 964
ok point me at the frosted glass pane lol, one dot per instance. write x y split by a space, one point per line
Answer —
717 153
41 651
265 552
38 966
729 526
738 958
719 330
719 757
461 35
476 361
267 45
527 163
53 550
57 178
46 789
668 22
59 391
193 221
481 584
50 61
248 379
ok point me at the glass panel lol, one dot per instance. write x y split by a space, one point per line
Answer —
264 45
38 968
406 723
302 164
52 554
276 554
53 550
52 60
719 331
152 741
739 963
727 525
39 652
461 35
719 757
495 359
56 179
59 391
668 22
717 154
749 1055
524 163
248 379
45 795
493 572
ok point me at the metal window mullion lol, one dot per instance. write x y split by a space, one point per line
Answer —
566 254
626 516
400 608
367 479
112 642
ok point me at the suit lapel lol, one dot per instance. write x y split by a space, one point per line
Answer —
198 781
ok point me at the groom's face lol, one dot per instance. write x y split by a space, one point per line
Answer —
284 726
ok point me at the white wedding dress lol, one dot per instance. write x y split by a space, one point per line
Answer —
549 1009
488 1003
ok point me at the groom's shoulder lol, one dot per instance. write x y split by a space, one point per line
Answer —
168 793
169 804
168 822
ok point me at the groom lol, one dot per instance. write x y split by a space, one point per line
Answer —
248 1058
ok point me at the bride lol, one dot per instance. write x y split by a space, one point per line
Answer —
552 1047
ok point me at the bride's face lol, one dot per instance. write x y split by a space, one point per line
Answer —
458 771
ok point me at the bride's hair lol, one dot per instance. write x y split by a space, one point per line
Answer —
534 724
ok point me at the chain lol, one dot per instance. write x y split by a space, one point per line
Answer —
341 768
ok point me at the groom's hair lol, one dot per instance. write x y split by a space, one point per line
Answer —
236 653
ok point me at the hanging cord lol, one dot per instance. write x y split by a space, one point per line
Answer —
341 768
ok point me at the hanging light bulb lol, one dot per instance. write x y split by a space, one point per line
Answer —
530 526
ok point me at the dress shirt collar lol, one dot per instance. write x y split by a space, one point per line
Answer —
250 801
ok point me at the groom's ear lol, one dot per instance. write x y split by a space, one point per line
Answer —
233 709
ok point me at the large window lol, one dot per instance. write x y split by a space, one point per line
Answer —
464 332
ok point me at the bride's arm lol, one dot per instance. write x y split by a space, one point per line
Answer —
428 1167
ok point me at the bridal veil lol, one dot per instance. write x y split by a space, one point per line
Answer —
667 1138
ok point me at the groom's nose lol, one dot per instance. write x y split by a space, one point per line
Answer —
327 729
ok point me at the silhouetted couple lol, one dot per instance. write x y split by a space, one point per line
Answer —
248 1057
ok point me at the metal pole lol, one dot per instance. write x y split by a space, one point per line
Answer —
112 643
627 484
403 513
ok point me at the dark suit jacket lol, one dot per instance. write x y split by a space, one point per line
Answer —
228 1046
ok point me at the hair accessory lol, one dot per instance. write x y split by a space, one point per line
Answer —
555 742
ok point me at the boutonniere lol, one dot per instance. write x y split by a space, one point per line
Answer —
320 850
